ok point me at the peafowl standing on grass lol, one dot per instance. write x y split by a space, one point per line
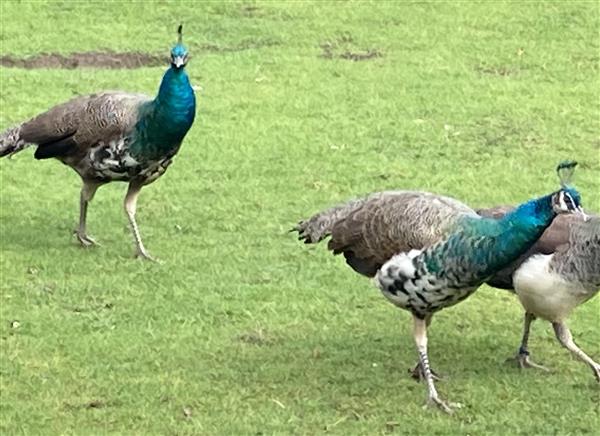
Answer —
560 272
370 231
114 136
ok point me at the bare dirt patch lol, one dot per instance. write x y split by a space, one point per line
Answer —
106 60
250 11
114 60
503 71
256 337
352 55
360 56
96 403
338 49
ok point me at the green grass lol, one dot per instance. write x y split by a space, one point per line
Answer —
246 329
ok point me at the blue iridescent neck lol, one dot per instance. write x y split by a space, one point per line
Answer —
489 245
176 102
532 214
164 121
521 229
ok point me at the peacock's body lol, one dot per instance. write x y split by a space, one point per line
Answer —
560 272
370 230
446 250
114 136
447 272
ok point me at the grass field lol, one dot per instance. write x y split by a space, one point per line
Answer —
242 329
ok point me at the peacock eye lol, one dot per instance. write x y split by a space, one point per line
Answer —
568 200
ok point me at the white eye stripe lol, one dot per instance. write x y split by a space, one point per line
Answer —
561 201
566 201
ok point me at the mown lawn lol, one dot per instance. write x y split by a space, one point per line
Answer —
242 329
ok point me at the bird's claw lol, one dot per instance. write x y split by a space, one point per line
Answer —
417 374
143 254
524 362
446 407
85 240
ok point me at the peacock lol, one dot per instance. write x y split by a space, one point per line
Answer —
114 136
446 249
560 272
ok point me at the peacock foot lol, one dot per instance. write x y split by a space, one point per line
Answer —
523 360
417 373
85 240
143 254
436 401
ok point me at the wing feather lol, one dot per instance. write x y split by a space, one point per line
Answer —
371 230
82 122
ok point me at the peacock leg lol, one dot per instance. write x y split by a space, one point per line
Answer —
563 334
87 194
420 336
522 357
417 372
130 207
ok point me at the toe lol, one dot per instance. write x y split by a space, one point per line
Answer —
85 240
144 255
442 405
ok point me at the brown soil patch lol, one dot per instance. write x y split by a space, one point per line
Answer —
257 337
249 11
107 60
360 56
113 60
331 51
497 71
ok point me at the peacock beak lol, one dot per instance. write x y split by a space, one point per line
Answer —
179 61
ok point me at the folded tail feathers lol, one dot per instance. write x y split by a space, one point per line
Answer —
319 226
11 142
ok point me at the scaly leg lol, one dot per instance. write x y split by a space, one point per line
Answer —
87 194
522 357
563 334
420 336
130 207
417 371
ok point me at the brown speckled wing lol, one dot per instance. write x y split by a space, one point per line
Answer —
391 222
579 259
82 123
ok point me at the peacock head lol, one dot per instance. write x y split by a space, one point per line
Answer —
179 54
567 199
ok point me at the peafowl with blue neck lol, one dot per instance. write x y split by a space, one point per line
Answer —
560 272
461 248
114 136
446 273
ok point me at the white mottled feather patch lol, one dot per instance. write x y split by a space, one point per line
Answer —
545 293
399 265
